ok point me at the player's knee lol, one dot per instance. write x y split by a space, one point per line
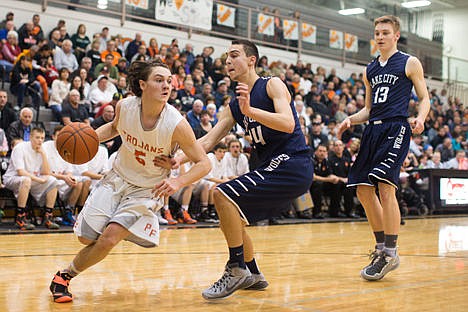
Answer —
26 182
218 197
107 242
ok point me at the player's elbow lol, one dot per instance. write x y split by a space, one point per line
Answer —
289 127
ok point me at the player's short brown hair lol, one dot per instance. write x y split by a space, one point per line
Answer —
389 19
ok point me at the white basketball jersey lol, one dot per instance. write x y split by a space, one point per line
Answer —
134 161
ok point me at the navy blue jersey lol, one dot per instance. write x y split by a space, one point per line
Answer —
268 142
391 88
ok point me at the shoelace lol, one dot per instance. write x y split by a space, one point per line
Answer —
378 265
373 254
223 281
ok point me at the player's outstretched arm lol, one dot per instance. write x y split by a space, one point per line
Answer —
109 131
225 123
415 72
185 138
282 119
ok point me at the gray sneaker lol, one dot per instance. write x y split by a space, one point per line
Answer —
380 267
259 283
233 278
373 257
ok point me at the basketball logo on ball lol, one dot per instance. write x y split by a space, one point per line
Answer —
77 143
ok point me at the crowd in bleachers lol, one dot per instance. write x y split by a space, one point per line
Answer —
81 78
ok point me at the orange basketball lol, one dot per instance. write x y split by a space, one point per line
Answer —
77 143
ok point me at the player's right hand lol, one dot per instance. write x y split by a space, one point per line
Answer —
342 127
166 162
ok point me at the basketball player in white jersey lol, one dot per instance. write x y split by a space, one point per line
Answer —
123 204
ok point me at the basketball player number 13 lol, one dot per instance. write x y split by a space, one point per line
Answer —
381 94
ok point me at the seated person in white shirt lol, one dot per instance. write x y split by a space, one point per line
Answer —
236 162
217 175
29 173
183 197
69 186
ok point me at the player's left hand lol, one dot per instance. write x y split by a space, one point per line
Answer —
166 187
166 162
243 96
417 125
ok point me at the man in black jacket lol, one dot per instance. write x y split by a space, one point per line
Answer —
7 114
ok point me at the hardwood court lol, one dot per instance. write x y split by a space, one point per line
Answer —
310 267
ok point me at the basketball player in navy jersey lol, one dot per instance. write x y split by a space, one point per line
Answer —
265 110
389 80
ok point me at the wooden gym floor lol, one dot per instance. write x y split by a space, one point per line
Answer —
310 267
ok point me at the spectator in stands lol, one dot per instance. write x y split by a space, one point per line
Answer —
10 25
94 54
69 186
96 167
204 125
103 38
64 58
458 162
64 34
54 41
60 23
7 114
340 164
133 46
194 115
236 162
37 29
21 128
153 48
316 135
8 17
183 197
186 96
122 67
73 111
100 95
23 82
26 37
207 59
141 55
29 173
80 41
322 181
107 115
11 49
107 68
206 92
189 52
110 50
446 149
60 89
416 145
221 91
122 87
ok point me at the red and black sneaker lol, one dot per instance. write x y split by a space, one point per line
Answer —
59 287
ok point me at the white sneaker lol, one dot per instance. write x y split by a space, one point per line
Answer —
233 278
161 220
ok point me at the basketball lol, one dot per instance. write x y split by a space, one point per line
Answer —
77 143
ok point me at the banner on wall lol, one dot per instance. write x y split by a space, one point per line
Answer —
374 49
336 39
225 15
195 13
265 24
140 4
309 33
351 43
290 30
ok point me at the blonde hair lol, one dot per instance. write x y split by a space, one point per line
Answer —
389 19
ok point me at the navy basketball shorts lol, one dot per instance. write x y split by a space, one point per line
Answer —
268 190
384 147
